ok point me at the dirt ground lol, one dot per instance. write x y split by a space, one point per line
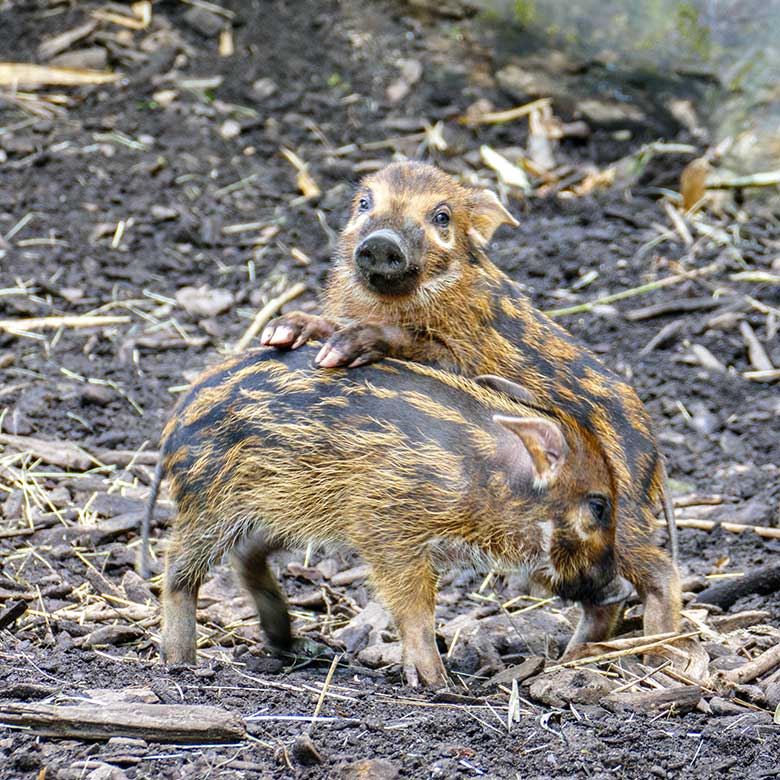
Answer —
173 178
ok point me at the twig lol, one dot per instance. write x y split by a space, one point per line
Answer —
264 315
633 291
499 117
674 306
323 692
734 528
765 662
633 648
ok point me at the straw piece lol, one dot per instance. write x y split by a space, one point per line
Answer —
66 321
17 73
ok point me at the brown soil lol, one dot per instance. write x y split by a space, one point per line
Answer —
180 179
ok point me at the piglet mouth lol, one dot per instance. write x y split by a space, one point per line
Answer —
383 264
392 285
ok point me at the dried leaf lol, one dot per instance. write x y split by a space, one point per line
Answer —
693 182
509 173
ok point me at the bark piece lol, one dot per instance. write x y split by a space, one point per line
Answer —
520 672
178 723
680 699
56 453
762 581
13 613
305 751
374 768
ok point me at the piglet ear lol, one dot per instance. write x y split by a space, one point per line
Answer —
543 440
487 214
511 389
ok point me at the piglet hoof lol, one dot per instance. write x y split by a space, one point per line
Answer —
176 658
435 678
302 649
357 345
293 330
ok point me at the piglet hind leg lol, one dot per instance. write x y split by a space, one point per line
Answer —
251 563
408 588
182 580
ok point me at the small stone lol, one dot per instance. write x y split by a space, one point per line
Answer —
136 588
520 672
752 693
576 686
383 654
264 88
772 695
131 695
163 213
521 83
230 129
604 112
111 635
106 772
128 743
112 504
721 706
328 567
373 768
203 302
702 419
93 57
204 21
264 664
100 395
305 751
365 628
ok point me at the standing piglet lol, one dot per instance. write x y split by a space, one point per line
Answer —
403 463
412 280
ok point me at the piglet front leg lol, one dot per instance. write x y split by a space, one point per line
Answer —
359 345
407 585
293 330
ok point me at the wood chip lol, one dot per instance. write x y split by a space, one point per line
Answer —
57 453
50 47
178 723
679 699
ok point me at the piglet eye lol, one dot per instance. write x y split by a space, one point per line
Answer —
364 203
599 508
441 218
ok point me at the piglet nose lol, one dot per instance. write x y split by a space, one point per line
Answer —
381 253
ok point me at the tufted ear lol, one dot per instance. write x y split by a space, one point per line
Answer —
512 389
487 214
543 441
